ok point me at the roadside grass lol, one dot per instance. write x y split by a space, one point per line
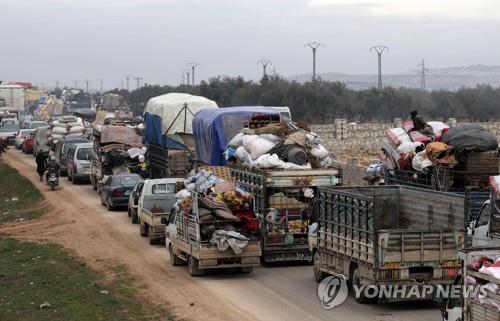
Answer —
34 273
19 198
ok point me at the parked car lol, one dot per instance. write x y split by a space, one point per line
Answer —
40 140
133 202
115 190
21 136
61 151
36 124
78 162
27 145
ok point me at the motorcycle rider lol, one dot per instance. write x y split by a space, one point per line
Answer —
41 164
52 166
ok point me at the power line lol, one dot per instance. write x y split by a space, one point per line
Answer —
314 46
380 50
193 65
264 62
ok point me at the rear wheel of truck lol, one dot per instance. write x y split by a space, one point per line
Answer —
150 236
356 281
143 229
194 267
93 182
128 212
135 219
174 260
318 274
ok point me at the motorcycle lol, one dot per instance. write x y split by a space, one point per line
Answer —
52 179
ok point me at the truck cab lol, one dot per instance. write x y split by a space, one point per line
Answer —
156 201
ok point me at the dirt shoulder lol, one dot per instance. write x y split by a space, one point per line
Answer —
79 223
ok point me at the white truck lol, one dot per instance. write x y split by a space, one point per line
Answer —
156 201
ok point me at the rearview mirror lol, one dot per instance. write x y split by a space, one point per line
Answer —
164 220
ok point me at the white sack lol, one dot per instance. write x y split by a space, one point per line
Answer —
246 139
437 127
258 146
270 137
76 129
273 161
75 135
319 152
236 141
57 124
134 152
244 156
407 147
59 130
57 136
420 161
183 194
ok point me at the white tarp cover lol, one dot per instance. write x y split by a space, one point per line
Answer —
168 107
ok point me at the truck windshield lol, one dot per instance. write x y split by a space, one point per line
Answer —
83 154
9 127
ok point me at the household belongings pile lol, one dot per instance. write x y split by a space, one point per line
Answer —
224 211
65 126
407 149
281 145
118 147
485 270
51 106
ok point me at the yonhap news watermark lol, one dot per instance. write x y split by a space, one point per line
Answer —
334 290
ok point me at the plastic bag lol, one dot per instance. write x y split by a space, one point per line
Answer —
319 152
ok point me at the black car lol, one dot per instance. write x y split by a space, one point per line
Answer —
116 189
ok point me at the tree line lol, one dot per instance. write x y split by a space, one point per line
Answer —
322 101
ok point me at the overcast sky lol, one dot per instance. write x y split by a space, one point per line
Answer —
68 40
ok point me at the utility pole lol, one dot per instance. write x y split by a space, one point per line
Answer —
86 86
187 71
193 65
76 84
57 84
264 62
379 50
101 81
128 76
314 46
422 74
138 80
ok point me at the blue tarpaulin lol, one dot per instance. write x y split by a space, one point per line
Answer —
154 135
214 128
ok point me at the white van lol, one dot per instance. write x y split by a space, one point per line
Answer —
78 162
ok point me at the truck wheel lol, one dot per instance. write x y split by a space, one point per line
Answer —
247 269
318 274
193 267
150 235
128 212
356 280
174 260
52 187
94 184
135 219
143 229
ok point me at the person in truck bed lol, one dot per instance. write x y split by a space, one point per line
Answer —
420 125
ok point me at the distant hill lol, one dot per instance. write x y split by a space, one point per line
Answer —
450 78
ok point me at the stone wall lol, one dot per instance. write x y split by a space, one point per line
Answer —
343 137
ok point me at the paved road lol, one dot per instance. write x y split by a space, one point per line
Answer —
269 293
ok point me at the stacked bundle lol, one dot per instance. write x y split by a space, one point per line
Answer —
224 211
278 145
51 106
65 126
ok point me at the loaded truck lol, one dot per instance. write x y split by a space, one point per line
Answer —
280 193
169 133
156 202
469 180
109 155
186 243
389 236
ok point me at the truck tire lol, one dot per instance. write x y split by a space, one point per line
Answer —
356 280
150 236
135 219
318 274
93 183
128 212
143 229
193 267
174 260
247 269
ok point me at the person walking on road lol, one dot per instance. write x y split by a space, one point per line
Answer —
41 164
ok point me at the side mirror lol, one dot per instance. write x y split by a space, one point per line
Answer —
164 220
